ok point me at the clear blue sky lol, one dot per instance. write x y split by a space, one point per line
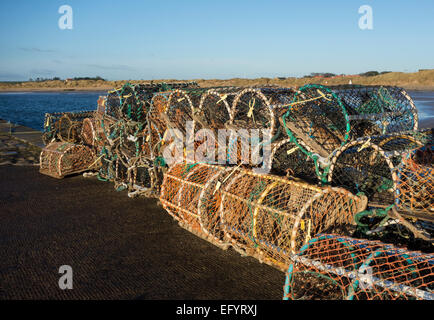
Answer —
186 39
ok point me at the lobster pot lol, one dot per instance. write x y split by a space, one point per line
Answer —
60 159
132 101
103 126
113 103
252 109
101 104
158 106
288 159
377 110
368 165
156 127
122 174
341 268
415 181
152 141
88 132
317 117
181 190
215 108
127 150
141 177
180 109
269 217
107 170
64 126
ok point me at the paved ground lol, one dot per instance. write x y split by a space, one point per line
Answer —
27 134
119 248
18 152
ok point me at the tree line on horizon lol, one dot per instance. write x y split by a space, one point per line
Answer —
75 79
330 75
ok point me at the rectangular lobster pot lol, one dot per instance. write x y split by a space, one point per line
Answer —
60 159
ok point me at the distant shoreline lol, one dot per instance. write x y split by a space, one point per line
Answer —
43 89
419 81
105 89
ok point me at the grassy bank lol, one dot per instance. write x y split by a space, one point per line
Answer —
422 80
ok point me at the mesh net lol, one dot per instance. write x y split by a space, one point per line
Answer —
336 267
215 108
375 110
59 159
287 159
415 181
182 187
132 101
275 216
369 164
64 126
317 117
264 216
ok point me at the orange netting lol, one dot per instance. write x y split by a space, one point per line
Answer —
336 267
59 159
415 181
264 216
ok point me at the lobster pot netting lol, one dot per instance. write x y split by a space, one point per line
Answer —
157 125
368 164
132 169
214 110
183 114
179 110
64 126
180 195
287 159
317 117
251 110
254 124
88 132
270 217
377 110
101 104
133 101
107 170
59 159
335 267
107 129
415 181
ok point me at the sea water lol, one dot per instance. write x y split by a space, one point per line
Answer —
29 108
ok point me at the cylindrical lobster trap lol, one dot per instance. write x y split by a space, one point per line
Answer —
182 195
215 108
415 181
369 164
375 110
157 125
132 101
270 217
317 117
264 216
64 126
59 159
287 159
335 267
255 108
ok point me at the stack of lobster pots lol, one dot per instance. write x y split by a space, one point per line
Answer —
294 177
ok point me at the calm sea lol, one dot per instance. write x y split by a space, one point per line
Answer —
29 108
